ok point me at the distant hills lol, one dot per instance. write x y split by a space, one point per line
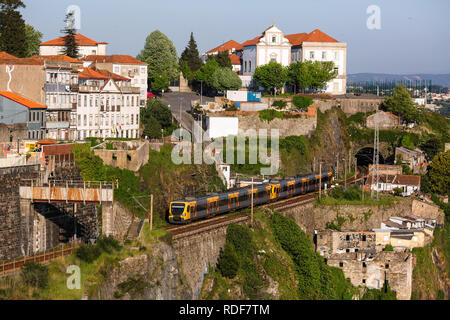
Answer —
437 79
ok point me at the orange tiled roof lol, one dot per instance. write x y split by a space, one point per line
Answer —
6 55
235 59
21 61
91 73
116 58
110 75
60 57
226 46
400 179
79 39
22 100
47 141
297 38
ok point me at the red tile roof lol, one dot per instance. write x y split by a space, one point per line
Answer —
22 100
229 45
79 39
47 141
400 179
116 58
21 61
91 73
110 75
235 59
5 55
60 57
297 38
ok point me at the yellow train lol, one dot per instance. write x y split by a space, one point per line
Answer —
188 210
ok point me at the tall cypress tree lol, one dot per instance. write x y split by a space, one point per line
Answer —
191 56
70 46
12 28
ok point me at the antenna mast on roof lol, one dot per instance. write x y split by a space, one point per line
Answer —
376 157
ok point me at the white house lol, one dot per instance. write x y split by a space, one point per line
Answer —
274 45
125 66
86 46
408 183
108 106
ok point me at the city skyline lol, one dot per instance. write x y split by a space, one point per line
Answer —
403 41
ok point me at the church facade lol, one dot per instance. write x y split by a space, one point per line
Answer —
274 45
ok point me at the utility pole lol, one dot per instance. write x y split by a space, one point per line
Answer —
345 174
314 164
376 157
251 210
151 212
320 178
201 92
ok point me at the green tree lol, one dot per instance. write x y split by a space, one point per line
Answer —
271 76
12 28
299 75
224 79
439 173
207 70
186 71
191 56
228 262
222 58
311 75
32 38
71 48
322 72
431 147
401 104
159 83
156 116
160 55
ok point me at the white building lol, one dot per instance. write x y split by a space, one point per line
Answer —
222 126
108 106
123 65
409 184
86 46
273 45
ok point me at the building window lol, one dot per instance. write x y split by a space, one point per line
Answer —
347 237
311 55
341 264
324 55
245 66
364 265
250 66
364 281
364 237
386 266
347 250
274 39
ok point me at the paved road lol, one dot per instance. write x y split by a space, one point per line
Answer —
179 103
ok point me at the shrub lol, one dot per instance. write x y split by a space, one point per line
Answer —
36 275
228 262
108 244
291 143
302 102
270 114
388 248
280 104
88 253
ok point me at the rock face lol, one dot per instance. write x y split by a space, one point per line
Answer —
149 276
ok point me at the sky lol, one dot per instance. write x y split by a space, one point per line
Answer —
414 35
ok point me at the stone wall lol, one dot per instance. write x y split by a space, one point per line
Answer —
197 251
15 225
287 127
130 155
158 273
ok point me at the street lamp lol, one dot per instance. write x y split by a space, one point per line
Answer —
201 92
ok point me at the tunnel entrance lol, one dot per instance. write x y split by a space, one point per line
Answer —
364 157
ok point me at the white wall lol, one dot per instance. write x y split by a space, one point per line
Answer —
222 126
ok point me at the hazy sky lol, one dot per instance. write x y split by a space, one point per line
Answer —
414 35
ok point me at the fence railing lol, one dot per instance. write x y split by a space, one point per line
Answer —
8 267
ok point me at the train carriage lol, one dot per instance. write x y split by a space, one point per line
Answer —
188 210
